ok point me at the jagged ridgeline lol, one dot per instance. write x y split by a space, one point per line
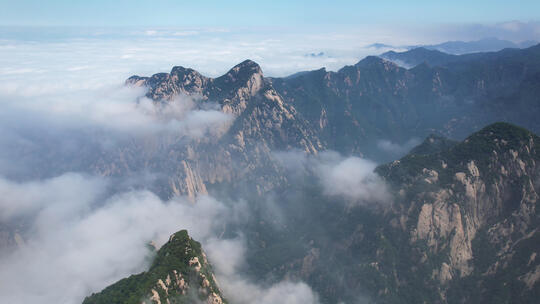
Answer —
180 273
348 111
351 109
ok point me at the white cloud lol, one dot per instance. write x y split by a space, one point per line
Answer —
351 178
112 56
24 199
81 239
77 244
516 31
285 292
228 257
46 127
512 26
117 109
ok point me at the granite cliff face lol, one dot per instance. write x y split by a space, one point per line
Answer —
180 273
462 227
468 210
262 123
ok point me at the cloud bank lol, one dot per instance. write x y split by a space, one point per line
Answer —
47 130
114 109
79 58
76 244
228 257
80 239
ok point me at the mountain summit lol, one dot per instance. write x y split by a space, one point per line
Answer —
246 78
180 273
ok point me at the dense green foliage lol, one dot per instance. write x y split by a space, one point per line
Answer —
480 146
175 255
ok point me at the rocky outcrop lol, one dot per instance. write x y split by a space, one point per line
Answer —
188 182
233 89
484 196
463 227
180 273
262 123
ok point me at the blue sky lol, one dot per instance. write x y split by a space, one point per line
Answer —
243 13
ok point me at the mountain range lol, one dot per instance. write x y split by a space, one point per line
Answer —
447 216
180 273
462 224
490 44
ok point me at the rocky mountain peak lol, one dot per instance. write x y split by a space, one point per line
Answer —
246 65
245 75
188 80
243 72
502 131
374 61
183 72
472 204
180 273
433 144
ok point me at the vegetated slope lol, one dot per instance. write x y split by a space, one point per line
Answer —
180 273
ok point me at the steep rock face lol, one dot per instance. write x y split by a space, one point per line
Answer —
180 273
462 227
343 107
479 194
262 123
179 81
231 90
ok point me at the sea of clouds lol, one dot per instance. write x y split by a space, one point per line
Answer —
63 89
